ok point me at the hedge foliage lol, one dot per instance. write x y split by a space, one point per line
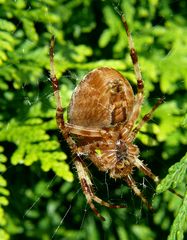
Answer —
39 196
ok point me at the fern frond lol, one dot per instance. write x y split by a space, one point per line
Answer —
175 176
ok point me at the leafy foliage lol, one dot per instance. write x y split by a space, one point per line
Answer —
175 177
89 34
177 229
3 195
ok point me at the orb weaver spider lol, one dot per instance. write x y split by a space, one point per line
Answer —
101 118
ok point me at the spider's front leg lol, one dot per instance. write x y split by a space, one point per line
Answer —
87 188
54 80
137 71
59 109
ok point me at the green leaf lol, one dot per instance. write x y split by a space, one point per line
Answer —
7 25
4 235
3 201
3 182
179 224
30 30
175 176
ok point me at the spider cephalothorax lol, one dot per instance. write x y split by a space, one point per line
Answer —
101 125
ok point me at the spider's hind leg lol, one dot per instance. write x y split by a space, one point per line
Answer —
132 184
88 191
147 171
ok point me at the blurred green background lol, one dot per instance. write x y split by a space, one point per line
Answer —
40 196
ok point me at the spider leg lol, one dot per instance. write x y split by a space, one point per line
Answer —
88 191
132 184
134 58
147 117
84 131
147 171
140 83
54 80
59 109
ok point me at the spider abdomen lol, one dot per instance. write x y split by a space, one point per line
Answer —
103 98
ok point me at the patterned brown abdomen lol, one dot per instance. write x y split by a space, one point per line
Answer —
104 97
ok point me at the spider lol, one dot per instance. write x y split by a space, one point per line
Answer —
101 125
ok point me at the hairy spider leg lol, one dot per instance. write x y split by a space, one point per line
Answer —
54 80
138 163
59 109
132 184
146 117
140 83
87 188
147 171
